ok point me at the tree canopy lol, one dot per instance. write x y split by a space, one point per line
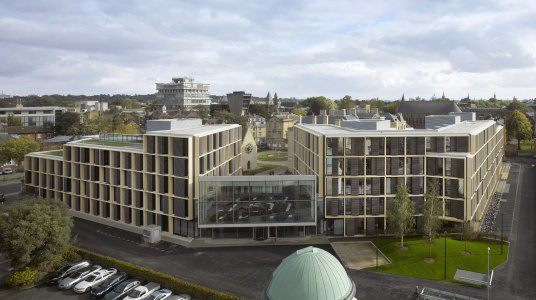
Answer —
17 148
298 111
229 118
35 233
400 216
202 110
517 105
345 103
259 109
68 123
13 121
519 126
316 104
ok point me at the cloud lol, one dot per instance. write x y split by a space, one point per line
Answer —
298 48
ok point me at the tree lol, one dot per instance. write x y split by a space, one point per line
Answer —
519 106
467 233
35 233
432 210
17 148
518 126
298 111
68 123
202 110
400 216
229 118
131 103
345 103
13 121
316 104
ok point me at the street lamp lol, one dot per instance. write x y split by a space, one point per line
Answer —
489 281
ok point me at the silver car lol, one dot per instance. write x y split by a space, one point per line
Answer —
68 282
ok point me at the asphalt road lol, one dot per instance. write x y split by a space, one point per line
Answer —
10 188
516 278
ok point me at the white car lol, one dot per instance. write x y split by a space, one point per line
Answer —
68 282
142 291
93 279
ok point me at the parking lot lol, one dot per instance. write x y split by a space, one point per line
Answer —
42 293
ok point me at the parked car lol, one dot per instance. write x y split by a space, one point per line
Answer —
142 291
159 295
69 281
109 284
93 279
64 271
122 289
179 297
7 170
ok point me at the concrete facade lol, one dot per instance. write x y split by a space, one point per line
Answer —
182 92
137 180
358 170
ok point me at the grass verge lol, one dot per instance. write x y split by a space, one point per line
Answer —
259 170
273 156
412 262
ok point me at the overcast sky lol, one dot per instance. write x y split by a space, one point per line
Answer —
296 48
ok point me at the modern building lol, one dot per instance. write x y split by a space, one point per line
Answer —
131 181
239 103
414 112
182 92
358 166
37 122
310 273
257 207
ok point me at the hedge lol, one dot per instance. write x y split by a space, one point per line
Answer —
178 286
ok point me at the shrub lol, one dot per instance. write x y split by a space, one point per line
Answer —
70 255
22 278
178 286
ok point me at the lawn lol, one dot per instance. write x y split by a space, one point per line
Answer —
259 170
56 153
273 156
526 146
411 262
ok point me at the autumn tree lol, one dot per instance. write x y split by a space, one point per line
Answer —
518 126
298 111
34 233
13 121
17 148
401 215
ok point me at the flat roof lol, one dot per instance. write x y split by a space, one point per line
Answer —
194 131
466 127
34 108
244 178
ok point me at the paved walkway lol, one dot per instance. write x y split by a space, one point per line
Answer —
359 255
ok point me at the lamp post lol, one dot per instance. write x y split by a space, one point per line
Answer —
489 281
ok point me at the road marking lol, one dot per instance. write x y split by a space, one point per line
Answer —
503 200
506 188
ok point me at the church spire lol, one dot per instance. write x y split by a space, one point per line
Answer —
402 97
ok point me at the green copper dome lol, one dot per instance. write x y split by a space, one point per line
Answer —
310 273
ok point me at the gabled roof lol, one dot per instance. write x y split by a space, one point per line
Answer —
428 107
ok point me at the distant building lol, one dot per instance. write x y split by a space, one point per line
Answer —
37 122
239 103
182 92
91 106
414 112
257 124
277 128
4 96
